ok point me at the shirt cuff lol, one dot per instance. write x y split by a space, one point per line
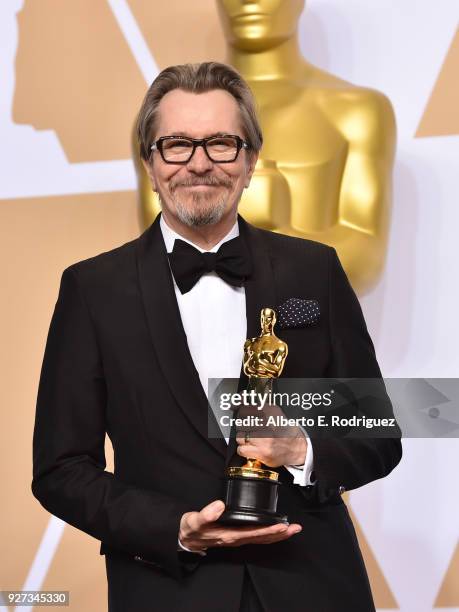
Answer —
303 475
180 547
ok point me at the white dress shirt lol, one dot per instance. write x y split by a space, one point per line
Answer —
214 319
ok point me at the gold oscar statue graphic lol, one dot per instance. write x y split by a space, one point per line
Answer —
325 169
251 490
331 140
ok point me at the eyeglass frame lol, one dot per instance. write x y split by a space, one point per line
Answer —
200 142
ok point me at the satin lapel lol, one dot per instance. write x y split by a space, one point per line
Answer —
167 333
259 293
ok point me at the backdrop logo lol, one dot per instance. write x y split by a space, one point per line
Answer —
441 116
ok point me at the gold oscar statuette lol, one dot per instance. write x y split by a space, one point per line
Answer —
251 490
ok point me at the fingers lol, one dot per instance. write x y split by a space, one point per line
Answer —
193 524
194 521
210 513
281 532
278 537
247 450
274 451
251 532
263 453
238 536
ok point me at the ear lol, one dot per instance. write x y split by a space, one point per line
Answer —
149 170
252 158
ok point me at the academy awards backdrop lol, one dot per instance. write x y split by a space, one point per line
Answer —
72 76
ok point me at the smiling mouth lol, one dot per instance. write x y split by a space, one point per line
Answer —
199 187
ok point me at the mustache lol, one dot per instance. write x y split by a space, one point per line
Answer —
200 180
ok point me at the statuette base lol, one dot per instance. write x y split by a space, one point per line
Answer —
251 500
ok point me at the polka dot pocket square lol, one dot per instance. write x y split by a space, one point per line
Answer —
296 312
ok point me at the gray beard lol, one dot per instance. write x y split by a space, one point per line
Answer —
209 215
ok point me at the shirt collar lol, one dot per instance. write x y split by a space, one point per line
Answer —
169 236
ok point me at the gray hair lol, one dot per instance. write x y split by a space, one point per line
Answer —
198 78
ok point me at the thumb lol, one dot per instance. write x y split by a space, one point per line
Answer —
212 511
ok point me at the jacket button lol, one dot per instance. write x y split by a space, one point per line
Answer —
341 489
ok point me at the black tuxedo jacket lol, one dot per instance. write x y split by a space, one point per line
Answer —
117 362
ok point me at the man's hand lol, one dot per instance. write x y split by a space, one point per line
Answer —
272 446
198 530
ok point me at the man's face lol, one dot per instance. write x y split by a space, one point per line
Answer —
200 192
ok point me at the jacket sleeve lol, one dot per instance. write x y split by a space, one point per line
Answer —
343 463
69 477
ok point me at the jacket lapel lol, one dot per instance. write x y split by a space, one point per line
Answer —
168 335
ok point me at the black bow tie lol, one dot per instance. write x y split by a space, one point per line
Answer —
231 262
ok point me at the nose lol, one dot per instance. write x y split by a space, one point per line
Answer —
199 163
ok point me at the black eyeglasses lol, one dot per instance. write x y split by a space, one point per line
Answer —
180 149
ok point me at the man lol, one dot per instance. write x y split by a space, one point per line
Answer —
135 336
